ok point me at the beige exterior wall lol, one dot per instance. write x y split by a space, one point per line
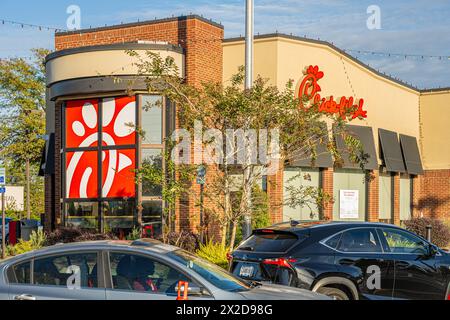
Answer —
101 63
389 105
435 127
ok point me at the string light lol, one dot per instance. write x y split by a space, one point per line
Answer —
189 41
35 26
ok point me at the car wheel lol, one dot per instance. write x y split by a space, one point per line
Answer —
334 293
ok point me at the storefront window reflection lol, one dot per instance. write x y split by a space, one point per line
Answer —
152 119
152 217
118 215
151 160
83 215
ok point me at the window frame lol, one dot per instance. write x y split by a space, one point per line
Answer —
386 245
109 285
374 229
168 123
100 268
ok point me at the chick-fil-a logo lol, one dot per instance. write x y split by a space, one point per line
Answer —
344 107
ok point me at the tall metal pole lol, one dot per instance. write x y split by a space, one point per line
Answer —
249 34
3 227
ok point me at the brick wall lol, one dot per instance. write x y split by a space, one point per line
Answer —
432 194
201 39
373 198
327 185
275 195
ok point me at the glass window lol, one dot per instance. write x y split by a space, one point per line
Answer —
334 241
138 273
359 240
119 173
405 197
293 180
81 175
151 161
219 277
82 215
119 121
21 273
349 179
68 270
152 217
81 125
385 196
400 241
152 119
269 242
118 215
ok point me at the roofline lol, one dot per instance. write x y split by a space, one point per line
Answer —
116 46
344 53
141 23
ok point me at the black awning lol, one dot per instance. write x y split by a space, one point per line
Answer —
390 151
324 159
411 154
47 166
365 136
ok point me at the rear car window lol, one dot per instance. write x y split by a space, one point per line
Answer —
269 242
20 273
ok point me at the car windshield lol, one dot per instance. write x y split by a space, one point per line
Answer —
214 274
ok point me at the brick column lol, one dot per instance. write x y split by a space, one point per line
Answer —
275 194
396 208
327 185
373 201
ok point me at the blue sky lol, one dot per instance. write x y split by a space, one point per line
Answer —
407 26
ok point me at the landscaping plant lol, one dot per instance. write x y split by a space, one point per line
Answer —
214 252
440 233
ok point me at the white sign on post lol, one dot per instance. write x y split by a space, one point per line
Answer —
349 204
2 177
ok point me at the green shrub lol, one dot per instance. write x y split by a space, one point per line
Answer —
135 234
215 253
440 233
37 241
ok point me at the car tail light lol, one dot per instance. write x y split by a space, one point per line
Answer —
280 262
448 297
229 257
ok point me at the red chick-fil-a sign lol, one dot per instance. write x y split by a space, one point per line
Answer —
344 107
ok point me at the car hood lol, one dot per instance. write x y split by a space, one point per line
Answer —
278 292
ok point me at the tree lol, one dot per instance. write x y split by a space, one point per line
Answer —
268 124
22 124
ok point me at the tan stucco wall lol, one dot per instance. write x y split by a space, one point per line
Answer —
101 63
389 105
435 120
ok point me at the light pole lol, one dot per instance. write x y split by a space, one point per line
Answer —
249 34
201 180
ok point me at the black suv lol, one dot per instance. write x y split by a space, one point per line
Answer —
346 260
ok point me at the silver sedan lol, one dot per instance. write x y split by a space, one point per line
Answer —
125 270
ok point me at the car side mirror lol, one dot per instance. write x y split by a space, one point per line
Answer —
192 289
432 250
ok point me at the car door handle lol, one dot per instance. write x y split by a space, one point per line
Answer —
402 265
347 262
25 297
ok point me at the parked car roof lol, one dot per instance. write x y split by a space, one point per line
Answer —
301 227
145 244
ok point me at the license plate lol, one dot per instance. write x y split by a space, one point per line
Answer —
246 271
